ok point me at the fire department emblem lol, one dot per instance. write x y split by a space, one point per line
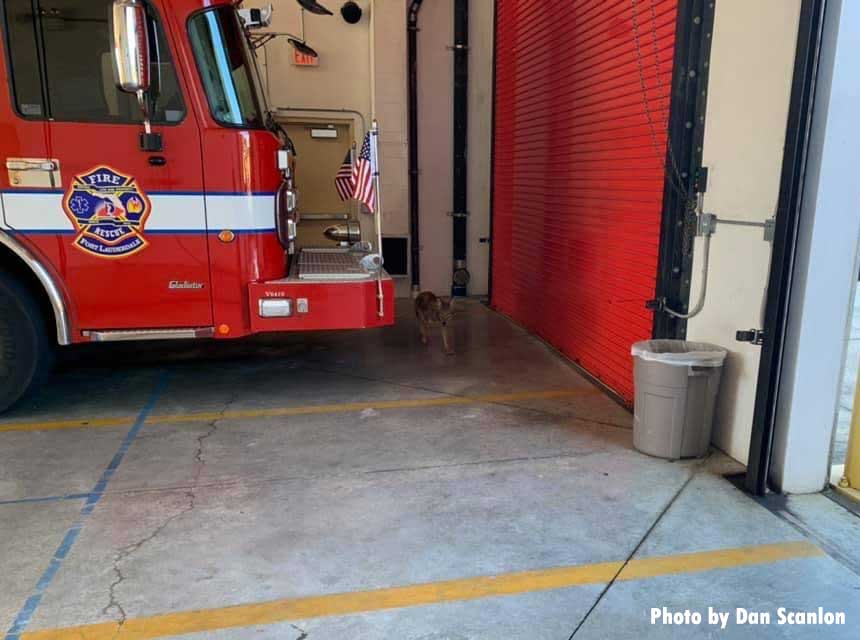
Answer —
109 211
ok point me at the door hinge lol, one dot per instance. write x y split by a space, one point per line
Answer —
753 336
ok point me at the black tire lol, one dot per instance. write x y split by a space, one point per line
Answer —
26 352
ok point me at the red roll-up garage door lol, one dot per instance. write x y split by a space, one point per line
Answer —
582 104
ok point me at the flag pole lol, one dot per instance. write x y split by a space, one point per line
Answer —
352 208
374 155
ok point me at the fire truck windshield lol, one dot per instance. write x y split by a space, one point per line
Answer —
227 68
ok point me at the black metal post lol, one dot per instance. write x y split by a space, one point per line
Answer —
412 62
461 106
693 35
493 151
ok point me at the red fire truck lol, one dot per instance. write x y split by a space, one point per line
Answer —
147 191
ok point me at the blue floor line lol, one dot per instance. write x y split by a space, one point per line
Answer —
92 499
69 496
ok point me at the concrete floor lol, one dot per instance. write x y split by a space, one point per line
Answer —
263 488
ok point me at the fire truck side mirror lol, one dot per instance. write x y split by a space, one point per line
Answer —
132 62
130 42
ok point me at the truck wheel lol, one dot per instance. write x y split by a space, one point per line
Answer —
25 351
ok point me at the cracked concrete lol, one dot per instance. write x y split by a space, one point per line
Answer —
302 633
241 511
125 552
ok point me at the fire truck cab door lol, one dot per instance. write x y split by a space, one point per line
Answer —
135 255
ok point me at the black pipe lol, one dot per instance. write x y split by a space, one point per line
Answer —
412 63
788 213
461 121
493 152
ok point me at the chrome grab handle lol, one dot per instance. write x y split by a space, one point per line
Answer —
40 173
31 165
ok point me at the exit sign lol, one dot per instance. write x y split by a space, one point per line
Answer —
304 60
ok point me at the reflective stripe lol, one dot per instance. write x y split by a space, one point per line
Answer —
240 213
181 212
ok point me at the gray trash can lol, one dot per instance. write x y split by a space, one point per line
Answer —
676 389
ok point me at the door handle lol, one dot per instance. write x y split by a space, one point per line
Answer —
13 164
157 161
39 173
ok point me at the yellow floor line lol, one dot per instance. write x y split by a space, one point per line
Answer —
720 559
80 423
345 407
339 604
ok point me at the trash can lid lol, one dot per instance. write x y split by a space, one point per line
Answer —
680 353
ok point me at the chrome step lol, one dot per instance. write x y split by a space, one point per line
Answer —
150 334
331 264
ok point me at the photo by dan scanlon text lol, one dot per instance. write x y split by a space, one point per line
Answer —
741 616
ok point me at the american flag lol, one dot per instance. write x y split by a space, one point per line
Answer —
343 178
363 174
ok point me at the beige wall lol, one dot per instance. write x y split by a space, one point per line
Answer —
342 79
751 71
481 28
435 135
435 143
356 58
389 102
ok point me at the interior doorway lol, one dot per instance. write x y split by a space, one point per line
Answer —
321 147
